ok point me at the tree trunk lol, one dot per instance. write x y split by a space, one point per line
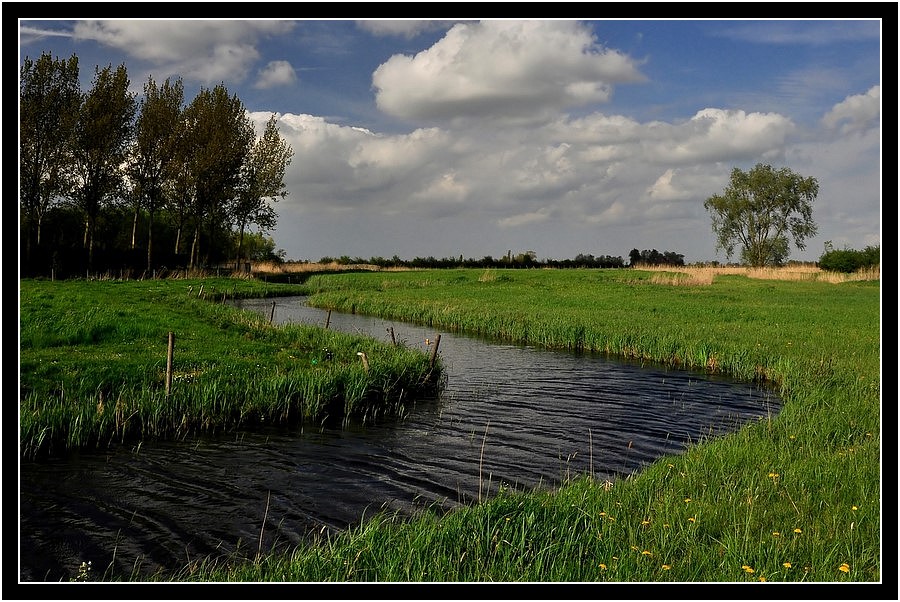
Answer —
150 242
134 227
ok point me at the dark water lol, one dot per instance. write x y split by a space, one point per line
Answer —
509 415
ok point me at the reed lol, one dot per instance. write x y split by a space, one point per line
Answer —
793 497
93 365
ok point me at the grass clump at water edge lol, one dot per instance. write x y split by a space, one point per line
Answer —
93 365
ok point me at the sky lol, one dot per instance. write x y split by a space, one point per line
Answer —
560 137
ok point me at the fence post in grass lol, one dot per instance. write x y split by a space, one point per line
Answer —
365 360
393 340
272 315
328 319
200 292
224 297
169 355
437 341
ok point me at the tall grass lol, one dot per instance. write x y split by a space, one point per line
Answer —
93 365
793 497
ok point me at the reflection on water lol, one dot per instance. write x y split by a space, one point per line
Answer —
510 415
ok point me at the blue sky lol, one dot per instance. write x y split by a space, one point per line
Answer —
447 138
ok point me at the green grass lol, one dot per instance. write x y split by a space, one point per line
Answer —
93 358
794 497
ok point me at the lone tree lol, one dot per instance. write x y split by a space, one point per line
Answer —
759 209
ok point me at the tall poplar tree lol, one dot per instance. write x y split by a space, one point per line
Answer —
219 136
49 99
102 134
153 150
261 183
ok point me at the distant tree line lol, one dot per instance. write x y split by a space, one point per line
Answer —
518 261
110 181
654 257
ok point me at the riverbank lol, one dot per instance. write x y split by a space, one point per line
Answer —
108 362
793 498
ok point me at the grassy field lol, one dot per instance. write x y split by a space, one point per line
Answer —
94 364
795 497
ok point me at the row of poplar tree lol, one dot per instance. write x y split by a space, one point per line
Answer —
106 177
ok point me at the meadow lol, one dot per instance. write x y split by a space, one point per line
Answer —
794 497
94 365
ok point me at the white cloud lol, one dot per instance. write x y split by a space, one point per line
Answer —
205 51
407 28
856 113
276 73
814 33
532 217
536 67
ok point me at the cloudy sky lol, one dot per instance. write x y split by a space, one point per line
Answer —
448 138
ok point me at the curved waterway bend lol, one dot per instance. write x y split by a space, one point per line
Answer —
509 415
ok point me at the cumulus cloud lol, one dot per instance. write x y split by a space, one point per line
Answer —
205 51
407 28
856 113
276 73
535 67
596 169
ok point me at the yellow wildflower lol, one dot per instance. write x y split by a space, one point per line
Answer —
666 567
786 565
798 530
844 568
602 567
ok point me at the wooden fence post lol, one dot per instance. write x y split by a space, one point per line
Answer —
437 341
272 315
169 356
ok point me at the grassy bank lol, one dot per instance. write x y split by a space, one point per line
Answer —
94 373
796 497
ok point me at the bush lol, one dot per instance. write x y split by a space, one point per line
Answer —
850 260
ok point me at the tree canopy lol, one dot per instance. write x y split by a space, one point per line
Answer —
759 210
107 161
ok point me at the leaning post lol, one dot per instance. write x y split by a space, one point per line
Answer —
169 355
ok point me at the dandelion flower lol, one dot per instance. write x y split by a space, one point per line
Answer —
692 520
844 568
786 565
602 567
687 500
854 508
666 567
775 534
798 530
748 569
647 553
773 475
645 522
761 578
